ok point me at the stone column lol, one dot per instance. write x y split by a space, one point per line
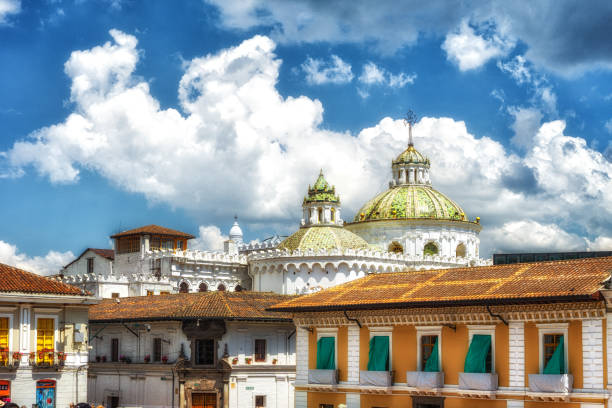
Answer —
301 399
592 355
353 354
301 349
353 400
516 348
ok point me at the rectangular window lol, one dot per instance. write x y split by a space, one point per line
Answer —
167 244
114 350
326 405
90 265
429 346
114 295
128 244
203 400
554 354
260 350
164 292
4 339
157 349
45 340
179 244
150 293
479 356
379 354
260 401
155 244
326 353
205 351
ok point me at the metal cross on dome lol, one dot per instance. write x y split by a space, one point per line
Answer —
409 120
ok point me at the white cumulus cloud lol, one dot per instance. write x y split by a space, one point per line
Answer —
7 8
373 75
469 50
49 264
210 238
320 72
529 235
238 146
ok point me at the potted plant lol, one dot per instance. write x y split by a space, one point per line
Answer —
61 358
98 359
104 359
32 358
122 358
248 360
274 361
235 360
16 359
147 358
164 359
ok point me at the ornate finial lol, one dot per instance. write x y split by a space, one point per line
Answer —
236 217
410 119
321 172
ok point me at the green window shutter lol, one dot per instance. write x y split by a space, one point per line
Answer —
379 354
556 364
326 354
432 362
476 359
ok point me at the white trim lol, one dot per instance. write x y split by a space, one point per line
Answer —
55 329
486 330
429 331
47 309
330 332
384 331
553 328
10 331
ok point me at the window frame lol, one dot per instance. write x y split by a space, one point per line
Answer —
255 401
196 354
90 262
157 340
118 350
329 332
10 330
553 328
265 359
428 331
55 328
383 331
486 330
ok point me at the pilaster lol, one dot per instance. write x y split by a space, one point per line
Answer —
353 355
353 400
517 354
592 354
301 399
301 348
25 320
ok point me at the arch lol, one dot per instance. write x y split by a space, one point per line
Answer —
221 287
238 288
396 248
460 251
203 287
333 214
430 249
320 215
184 287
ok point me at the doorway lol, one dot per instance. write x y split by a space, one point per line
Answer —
204 400
113 402
45 393
428 402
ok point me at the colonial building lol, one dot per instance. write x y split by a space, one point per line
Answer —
209 349
43 340
518 335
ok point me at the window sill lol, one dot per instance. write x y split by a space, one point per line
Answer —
425 380
478 381
551 383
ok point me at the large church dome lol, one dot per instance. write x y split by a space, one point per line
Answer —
408 202
323 237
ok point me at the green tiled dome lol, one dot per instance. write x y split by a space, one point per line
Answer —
315 238
411 202
412 156
321 192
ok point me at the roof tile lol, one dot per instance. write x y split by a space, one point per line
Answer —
13 279
153 229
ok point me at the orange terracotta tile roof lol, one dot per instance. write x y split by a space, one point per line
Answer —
528 282
184 306
153 229
13 279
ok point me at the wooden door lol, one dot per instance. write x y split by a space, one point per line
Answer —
203 400
45 341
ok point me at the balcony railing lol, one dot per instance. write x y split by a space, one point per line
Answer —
424 380
9 360
47 359
323 377
478 381
376 378
551 383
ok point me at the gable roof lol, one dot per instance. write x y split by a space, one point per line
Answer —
13 279
186 306
514 283
105 253
155 230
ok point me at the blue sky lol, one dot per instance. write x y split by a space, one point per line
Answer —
123 113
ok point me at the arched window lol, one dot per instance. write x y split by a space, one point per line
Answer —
320 211
238 288
430 249
333 214
203 287
460 251
396 248
184 287
221 287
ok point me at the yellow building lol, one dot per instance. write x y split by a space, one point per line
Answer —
520 335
